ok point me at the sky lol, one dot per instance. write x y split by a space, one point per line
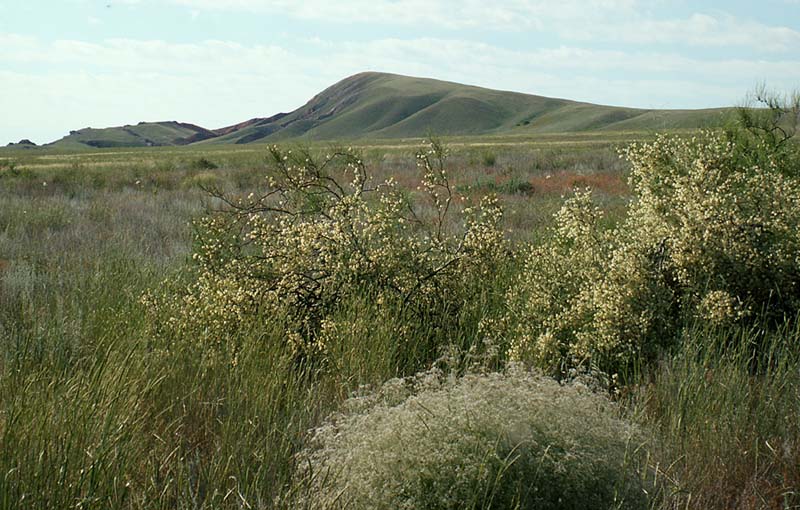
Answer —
70 64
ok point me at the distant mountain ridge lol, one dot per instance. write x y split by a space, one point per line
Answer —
382 105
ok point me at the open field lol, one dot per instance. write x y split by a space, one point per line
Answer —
103 405
552 164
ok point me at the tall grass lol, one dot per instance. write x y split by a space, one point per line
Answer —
98 415
726 409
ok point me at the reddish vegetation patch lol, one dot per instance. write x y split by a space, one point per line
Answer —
563 182
407 181
4 265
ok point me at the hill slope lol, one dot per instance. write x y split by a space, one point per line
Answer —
144 134
381 105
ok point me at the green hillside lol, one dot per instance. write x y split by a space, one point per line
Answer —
379 105
144 134
386 106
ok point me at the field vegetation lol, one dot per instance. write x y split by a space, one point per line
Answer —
332 327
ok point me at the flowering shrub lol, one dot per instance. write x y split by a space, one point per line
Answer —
499 440
322 233
712 234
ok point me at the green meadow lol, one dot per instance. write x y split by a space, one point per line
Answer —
390 381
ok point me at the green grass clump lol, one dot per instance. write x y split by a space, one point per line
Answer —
489 159
203 180
500 440
203 163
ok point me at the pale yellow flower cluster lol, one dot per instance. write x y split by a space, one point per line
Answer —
322 234
710 234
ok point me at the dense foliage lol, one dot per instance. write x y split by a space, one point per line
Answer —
322 234
500 440
711 234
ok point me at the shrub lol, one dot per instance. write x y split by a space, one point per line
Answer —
774 121
499 440
203 163
8 166
516 186
711 234
323 233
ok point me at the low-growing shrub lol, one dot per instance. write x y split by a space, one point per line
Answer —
323 233
203 163
518 187
498 440
512 186
8 166
711 234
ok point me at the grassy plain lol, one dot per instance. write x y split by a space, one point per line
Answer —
97 412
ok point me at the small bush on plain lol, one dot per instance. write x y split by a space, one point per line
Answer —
203 163
498 440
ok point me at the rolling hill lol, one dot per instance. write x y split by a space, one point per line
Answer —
143 134
381 105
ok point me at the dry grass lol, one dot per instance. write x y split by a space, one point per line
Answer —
727 427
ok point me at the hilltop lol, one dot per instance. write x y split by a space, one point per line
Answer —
380 105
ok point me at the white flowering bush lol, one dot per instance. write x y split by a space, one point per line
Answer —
499 440
713 233
321 233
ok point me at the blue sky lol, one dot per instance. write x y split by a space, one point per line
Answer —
70 64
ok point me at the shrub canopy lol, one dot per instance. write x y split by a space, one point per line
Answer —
713 233
323 232
502 440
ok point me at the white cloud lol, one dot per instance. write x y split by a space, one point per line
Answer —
78 84
606 20
468 59
454 14
696 30
208 57
68 84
